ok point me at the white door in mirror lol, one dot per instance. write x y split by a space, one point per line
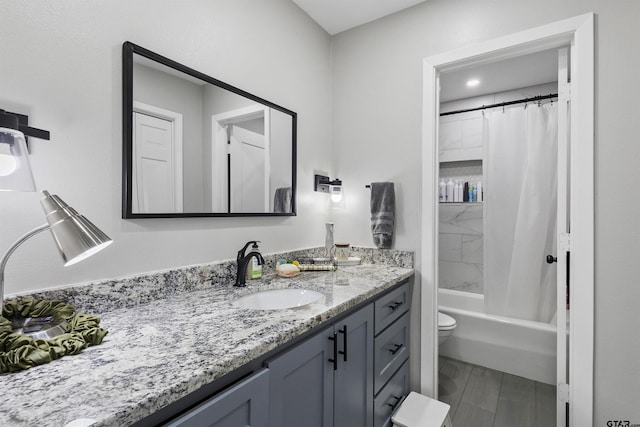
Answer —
249 171
154 166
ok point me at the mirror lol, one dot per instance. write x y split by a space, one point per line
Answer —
197 147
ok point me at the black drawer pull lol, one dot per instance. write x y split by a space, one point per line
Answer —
394 405
334 338
396 348
395 305
344 342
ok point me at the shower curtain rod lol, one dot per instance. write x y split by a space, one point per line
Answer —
502 104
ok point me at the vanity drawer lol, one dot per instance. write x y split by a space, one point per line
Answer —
391 396
390 307
391 349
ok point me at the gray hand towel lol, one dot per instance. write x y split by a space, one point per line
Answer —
282 200
383 208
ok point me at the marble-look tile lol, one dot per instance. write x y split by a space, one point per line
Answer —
472 248
450 247
472 133
462 219
461 276
450 135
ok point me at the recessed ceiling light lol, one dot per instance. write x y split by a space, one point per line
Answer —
473 83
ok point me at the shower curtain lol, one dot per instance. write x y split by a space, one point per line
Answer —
520 212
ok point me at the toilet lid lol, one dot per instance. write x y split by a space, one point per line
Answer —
445 321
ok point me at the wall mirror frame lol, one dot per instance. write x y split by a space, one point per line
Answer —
239 159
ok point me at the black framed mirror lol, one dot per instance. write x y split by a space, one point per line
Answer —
194 146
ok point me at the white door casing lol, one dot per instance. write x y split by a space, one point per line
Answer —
577 32
563 229
157 160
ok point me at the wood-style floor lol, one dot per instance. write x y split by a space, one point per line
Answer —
483 397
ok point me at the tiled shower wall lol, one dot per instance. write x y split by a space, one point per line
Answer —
461 241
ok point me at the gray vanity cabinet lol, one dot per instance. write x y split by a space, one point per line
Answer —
244 404
326 380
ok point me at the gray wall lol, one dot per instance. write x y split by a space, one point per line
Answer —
377 90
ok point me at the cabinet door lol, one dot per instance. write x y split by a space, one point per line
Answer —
353 388
301 386
244 404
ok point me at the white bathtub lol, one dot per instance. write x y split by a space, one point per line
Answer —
518 347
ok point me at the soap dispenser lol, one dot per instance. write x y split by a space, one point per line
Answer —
255 268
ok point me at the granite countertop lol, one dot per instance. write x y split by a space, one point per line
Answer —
160 351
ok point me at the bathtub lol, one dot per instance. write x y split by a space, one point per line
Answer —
518 347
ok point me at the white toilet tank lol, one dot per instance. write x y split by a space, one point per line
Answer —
421 411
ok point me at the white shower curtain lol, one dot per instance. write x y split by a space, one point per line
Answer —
520 212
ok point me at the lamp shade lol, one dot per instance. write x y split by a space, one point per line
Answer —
336 198
15 170
77 238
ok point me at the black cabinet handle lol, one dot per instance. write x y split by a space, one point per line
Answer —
395 305
334 338
396 348
551 259
344 342
394 405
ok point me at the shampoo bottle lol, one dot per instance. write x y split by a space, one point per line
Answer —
443 191
456 190
450 191
479 195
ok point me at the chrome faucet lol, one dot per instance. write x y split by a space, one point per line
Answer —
242 261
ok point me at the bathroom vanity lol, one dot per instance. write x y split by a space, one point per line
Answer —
192 353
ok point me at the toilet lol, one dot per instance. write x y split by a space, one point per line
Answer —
446 325
420 411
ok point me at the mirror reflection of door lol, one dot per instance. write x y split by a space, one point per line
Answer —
249 170
157 162
241 158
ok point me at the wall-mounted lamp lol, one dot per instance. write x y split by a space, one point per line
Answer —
15 170
7 119
324 185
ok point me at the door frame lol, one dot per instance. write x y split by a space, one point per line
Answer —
219 149
578 32
176 119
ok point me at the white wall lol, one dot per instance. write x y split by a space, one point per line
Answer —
62 65
377 91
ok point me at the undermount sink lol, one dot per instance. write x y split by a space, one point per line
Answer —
278 299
